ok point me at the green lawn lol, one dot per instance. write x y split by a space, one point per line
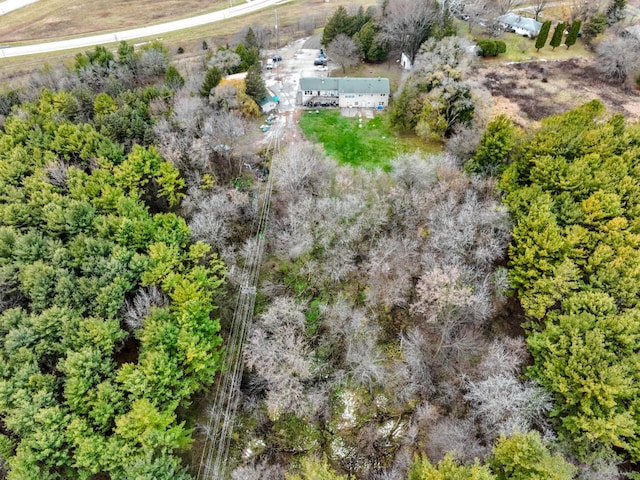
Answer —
370 146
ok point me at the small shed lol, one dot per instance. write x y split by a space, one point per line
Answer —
525 26
405 61
269 103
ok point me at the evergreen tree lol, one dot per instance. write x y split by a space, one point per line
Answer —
543 35
556 39
357 21
254 83
572 36
250 40
594 27
173 79
447 469
211 80
340 22
495 146
524 456
125 53
365 37
615 11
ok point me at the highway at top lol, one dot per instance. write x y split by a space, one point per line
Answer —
141 32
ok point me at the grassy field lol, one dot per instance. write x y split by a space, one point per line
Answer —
520 49
370 146
48 19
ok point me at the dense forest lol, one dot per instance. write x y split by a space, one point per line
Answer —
455 317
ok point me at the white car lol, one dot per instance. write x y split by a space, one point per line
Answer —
322 68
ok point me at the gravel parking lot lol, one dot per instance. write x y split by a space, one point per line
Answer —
284 78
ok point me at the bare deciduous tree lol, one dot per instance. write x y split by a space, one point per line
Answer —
393 262
450 52
262 470
585 9
447 294
225 60
297 170
504 356
135 311
188 112
407 24
458 435
57 173
220 216
416 375
345 51
538 7
618 57
502 404
279 352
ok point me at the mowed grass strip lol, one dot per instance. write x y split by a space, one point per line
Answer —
370 146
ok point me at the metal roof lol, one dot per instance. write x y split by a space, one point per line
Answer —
516 21
346 84
318 83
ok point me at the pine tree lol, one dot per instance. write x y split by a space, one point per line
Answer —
254 83
615 11
556 39
173 79
543 35
340 22
250 40
211 80
572 36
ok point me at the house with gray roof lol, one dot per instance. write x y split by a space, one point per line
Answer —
526 26
343 92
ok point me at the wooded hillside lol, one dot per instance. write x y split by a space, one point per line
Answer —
106 330
574 193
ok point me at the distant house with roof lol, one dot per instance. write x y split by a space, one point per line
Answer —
343 92
526 26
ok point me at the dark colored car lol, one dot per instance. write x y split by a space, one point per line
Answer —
277 58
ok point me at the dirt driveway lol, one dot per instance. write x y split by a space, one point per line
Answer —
284 78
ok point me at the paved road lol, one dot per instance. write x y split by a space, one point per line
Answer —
11 5
152 30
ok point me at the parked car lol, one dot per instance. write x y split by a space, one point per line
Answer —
276 58
269 64
320 61
322 68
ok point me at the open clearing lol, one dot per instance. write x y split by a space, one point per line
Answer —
49 19
357 141
530 91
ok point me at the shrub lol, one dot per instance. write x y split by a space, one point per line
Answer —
491 48
594 27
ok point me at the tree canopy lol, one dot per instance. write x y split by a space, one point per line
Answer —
573 190
85 228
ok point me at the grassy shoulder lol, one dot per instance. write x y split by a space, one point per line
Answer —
368 143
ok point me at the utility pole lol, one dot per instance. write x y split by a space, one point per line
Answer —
277 46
